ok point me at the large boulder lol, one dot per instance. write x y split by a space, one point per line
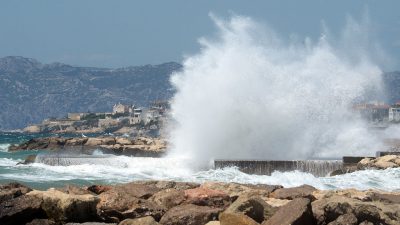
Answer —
234 190
123 141
303 191
296 212
190 214
163 184
20 210
205 196
345 219
331 207
143 150
383 162
128 201
253 207
67 207
228 218
147 220
76 141
12 190
168 198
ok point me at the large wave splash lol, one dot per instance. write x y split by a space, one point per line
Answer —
250 94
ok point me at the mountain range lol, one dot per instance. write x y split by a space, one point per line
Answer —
31 91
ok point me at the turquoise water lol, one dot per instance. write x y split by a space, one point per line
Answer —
32 176
110 169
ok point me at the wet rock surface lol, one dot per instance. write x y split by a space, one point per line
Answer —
213 203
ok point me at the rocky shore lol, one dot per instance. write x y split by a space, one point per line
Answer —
380 163
181 203
141 146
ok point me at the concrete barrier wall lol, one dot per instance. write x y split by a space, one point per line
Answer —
315 167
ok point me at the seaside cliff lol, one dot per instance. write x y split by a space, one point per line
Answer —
182 203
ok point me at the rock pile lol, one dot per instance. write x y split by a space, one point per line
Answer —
182 203
141 146
383 162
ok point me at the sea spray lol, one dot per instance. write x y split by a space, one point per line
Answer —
248 94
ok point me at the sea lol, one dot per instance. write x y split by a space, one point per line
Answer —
122 169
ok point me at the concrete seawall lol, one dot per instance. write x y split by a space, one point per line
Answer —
266 167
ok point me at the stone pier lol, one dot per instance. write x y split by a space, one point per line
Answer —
266 167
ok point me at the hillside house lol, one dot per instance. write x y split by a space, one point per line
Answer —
76 116
374 111
121 109
394 113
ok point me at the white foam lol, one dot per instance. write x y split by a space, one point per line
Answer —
131 169
8 162
4 147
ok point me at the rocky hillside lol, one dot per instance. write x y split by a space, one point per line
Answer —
31 91
392 86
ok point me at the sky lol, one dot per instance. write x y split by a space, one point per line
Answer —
119 33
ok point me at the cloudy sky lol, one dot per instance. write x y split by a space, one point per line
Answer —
122 32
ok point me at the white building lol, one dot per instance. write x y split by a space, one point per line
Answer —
394 114
121 109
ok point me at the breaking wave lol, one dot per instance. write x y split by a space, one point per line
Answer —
250 94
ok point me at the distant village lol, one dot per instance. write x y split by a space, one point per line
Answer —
124 119
133 120
379 112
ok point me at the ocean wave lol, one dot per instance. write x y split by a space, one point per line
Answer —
4 147
125 169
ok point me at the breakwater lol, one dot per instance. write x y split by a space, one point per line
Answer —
266 167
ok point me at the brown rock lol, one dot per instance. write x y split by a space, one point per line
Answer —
98 189
234 190
168 198
328 209
67 207
383 197
213 223
92 141
123 141
163 184
148 220
41 222
190 215
12 190
303 191
227 218
253 207
127 201
76 141
383 162
345 219
71 189
296 212
205 196
20 210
